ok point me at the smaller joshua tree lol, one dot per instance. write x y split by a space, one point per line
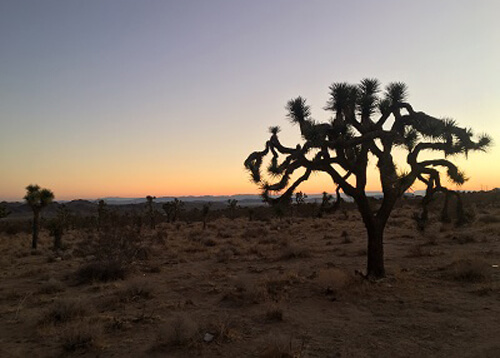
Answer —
37 198
172 209
3 212
102 214
151 212
232 205
205 210
59 225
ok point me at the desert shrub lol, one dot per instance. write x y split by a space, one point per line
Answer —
345 237
336 283
65 310
274 313
465 238
179 331
196 235
224 255
470 270
103 270
489 219
112 252
255 232
80 338
294 251
51 286
418 251
223 328
136 289
280 346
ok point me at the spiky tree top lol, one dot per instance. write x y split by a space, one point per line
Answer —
364 122
38 198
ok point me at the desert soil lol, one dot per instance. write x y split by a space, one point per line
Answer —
277 288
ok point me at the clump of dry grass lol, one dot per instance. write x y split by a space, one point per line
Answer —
336 283
489 219
280 346
105 270
179 331
470 270
274 313
65 310
294 251
51 286
345 237
81 337
255 232
223 328
416 251
224 255
136 289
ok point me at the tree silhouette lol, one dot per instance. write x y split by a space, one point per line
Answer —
364 126
232 206
151 212
3 212
172 209
37 198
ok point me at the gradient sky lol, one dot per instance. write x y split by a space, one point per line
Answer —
130 98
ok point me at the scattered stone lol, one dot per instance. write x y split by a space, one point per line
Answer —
208 337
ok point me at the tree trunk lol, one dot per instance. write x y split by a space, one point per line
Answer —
375 231
36 225
375 265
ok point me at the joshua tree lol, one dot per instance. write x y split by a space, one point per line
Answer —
365 125
3 212
102 213
205 210
59 225
37 198
172 209
232 205
151 211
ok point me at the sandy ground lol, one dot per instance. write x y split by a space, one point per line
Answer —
282 288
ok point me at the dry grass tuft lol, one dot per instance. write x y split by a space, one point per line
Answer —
280 346
179 331
470 270
51 286
65 310
81 338
136 289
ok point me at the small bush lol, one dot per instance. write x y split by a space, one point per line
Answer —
80 338
418 251
489 219
224 255
470 270
51 286
345 237
274 314
280 346
65 310
294 251
179 331
101 271
137 289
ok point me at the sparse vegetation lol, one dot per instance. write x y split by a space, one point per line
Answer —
180 290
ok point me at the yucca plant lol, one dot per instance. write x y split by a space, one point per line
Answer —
4 212
150 211
37 198
365 123
173 209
